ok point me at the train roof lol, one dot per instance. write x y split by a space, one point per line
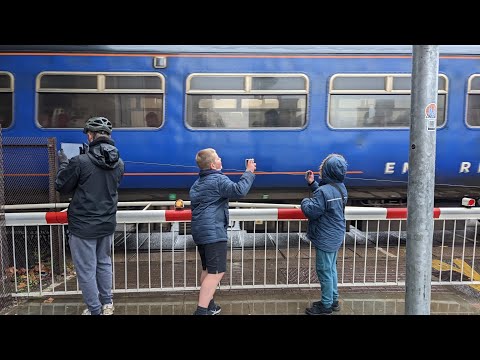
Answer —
236 49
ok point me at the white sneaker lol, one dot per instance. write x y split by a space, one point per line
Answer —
86 312
108 309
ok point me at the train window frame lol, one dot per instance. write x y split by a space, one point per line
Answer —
9 90
470 92
102 89
239 95
387 90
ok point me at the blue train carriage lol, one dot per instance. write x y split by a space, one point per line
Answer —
286 106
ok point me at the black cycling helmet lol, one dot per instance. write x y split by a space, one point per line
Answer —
97 124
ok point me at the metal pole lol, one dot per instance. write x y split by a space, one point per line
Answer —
421 179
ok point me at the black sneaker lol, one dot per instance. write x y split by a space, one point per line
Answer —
201 311
335 305
213 308
318 310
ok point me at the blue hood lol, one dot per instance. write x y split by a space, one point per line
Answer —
334 169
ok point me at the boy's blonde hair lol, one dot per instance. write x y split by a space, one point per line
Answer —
320 168
205 157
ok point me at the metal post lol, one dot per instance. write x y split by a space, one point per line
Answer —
421 179
54 198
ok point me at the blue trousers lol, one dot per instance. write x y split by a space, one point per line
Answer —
93 265
326 266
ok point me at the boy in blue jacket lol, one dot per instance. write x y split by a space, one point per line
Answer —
325 211
209 197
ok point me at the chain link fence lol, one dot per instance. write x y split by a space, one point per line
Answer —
28 167
5 250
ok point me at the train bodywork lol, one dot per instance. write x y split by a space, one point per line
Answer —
161 160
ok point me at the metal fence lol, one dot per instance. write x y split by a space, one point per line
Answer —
28 168
5 251
153 251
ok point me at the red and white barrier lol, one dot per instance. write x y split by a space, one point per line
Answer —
146 216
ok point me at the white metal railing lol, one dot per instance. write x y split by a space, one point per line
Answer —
267 248
145 205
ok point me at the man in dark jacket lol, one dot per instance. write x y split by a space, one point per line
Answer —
209 200
325 211
93 178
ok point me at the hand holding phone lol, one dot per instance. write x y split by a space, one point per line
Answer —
309 177
62 157
246 162
71 149
250 162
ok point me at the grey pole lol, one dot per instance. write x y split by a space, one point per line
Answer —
421 179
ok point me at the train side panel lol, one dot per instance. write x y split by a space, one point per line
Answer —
165 158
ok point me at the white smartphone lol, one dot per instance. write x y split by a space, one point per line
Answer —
246 162
71 149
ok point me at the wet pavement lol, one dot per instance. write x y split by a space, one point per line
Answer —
445 300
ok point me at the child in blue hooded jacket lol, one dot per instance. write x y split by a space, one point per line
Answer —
325 211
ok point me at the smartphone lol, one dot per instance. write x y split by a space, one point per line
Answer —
71 149
246 161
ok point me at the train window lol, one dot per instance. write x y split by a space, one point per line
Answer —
217 83
246 101
376 101
6 99
402 83
359 83
473 101
259 104
405 83
128 100
59 81
442 83
278 83
474 83
132 82
6 82
217 104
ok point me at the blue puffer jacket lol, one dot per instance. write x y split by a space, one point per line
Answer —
209 199
326 220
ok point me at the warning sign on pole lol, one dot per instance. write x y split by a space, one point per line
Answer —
431 116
